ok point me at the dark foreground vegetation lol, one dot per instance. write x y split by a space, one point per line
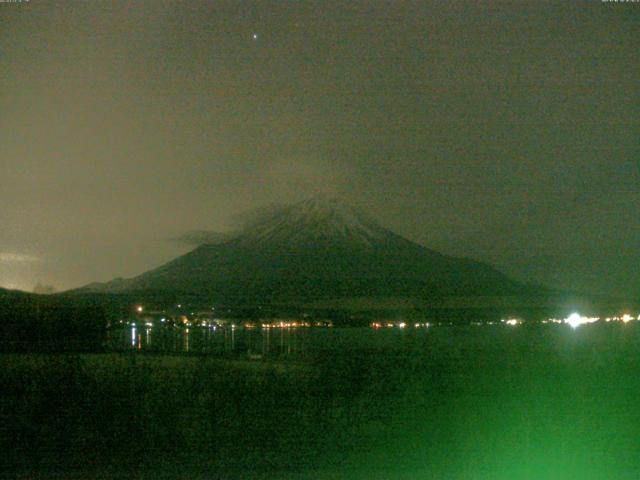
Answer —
51 323
456 403
175 415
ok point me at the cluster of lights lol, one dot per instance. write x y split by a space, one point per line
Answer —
287 324
575 319
296 324
378 325
626 318
511 321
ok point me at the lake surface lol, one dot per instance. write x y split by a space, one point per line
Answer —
297 343
476 402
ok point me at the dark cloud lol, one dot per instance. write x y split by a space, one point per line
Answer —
251 217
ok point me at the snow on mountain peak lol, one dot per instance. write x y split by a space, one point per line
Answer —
316 219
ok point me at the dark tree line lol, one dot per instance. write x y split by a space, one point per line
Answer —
38 323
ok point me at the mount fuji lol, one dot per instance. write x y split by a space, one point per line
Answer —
316 249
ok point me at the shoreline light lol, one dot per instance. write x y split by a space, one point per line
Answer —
575 320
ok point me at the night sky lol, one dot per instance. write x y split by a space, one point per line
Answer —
503 131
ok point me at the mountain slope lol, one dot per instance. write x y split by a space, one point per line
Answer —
317 249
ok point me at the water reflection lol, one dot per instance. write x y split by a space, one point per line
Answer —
256 343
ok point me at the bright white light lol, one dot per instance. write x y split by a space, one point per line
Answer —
627 318
575 320
255 36
512 321
139 309
402 325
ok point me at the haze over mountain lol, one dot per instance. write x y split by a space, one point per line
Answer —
316 249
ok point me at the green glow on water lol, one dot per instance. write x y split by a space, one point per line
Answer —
559 404
499 403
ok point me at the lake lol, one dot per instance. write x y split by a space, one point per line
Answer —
476 402
297 343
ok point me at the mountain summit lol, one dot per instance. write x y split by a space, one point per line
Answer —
316 249
314 222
